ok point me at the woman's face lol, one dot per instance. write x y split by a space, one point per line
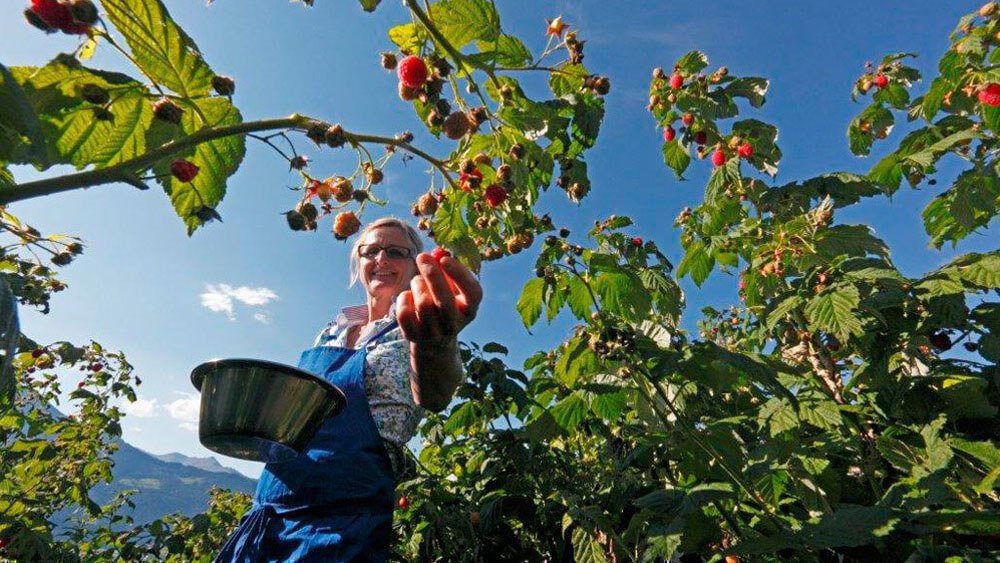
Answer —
383 275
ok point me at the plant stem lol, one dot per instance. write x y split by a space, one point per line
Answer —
126 171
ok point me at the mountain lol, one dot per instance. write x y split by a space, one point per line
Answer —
169 483
206 463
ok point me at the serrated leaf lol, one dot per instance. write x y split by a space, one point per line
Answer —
217 159
408 37
692 62
462 418
586 549
568 81
697 263
587 117
18 117
529 305
777 415
622 293
160 47
753 88
822 414
82 140
569 412
833 311
507 51
462 21
677 157
579 298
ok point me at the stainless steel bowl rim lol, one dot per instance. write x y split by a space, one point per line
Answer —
198 374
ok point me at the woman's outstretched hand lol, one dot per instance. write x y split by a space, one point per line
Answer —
442 299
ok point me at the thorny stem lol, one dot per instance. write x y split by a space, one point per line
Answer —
126 171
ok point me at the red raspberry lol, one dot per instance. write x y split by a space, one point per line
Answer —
676 81
880 81
742 284
687 119
718 157
669 134
412 71
184 170
470 181
81 385
990 95
96 366
404 503
495 195
58 15
745 150
701 137
438 253
637 241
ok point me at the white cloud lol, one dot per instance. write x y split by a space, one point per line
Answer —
262 318
189 426
185 409
220 297
140 408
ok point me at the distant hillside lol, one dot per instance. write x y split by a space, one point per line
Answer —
164 487
206 463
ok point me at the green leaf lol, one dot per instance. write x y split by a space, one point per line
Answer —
569 412
622 294
369 5
753 88
692 62
82 140
848 240
822 414
697 262
778 415
217 159
462 21
579 298
408 37
507 51
462 418
586 549
448 223
160 47
578 360
833 311
568 81
587 116
18 123
530 302
979 270
677 157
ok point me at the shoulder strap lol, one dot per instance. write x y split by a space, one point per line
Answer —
384 331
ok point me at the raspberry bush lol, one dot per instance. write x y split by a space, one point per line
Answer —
843 412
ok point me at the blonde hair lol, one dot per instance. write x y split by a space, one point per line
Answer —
407 229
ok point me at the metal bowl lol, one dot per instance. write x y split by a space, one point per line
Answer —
260 410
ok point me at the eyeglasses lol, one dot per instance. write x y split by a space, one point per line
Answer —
371 251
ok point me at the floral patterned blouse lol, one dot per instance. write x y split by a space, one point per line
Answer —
387 378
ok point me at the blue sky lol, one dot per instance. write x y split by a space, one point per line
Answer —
139 287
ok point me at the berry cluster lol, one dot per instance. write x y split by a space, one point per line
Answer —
74 17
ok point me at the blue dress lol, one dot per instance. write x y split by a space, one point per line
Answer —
334 502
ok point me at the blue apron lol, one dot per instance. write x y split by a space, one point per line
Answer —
333 502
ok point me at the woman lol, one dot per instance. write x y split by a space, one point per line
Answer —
392 357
